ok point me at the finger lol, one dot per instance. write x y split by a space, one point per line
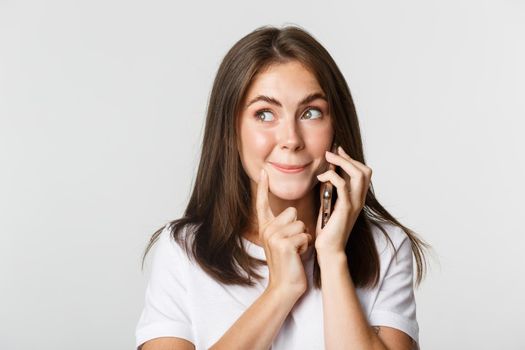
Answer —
349 167
357 180
264 212
365 169
287 216
291 228
340 184
319 215
299 242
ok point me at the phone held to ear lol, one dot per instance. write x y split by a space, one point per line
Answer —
326 193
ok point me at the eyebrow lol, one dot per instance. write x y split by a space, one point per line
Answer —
307 99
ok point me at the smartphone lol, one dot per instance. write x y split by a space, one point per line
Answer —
326 193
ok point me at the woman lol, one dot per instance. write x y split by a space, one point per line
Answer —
249 265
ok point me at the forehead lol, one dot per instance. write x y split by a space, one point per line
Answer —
292 78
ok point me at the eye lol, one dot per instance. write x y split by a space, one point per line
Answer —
308 112
260 113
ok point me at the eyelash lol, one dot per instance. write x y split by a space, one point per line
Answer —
259 113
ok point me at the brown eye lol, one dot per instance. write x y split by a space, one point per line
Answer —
309 113
259 115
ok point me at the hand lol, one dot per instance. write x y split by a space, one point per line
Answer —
284 239
351 195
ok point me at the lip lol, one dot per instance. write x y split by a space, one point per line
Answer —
285 168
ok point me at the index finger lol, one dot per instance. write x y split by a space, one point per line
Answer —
264 212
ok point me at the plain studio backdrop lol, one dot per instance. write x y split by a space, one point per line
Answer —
102 107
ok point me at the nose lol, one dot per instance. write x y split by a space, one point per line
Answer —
289 135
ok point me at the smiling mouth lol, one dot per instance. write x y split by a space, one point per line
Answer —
289 169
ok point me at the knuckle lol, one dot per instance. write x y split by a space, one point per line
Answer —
272 240
292 211
301 225
267 232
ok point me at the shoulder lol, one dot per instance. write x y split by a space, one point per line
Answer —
393 239
171 246
394 302
180 236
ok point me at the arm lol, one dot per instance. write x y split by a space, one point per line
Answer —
167 343
259 324
255 329
345 325
283 240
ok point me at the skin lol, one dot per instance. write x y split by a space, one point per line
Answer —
289 134
293 134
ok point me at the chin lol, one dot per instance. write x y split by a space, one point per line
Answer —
290 192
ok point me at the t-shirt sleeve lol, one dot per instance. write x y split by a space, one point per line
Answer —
165 312
395 305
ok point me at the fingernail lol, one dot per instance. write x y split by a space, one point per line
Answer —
341 150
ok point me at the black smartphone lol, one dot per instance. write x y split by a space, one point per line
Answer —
327 193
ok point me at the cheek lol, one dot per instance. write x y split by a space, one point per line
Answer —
319 142
261 143
256 147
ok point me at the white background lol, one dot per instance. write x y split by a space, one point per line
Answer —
102 107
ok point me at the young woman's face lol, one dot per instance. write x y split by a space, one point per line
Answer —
285 127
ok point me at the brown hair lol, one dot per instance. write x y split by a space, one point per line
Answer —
220 205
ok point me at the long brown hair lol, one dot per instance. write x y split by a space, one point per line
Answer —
219 209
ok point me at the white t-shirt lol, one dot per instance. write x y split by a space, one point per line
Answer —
182 301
